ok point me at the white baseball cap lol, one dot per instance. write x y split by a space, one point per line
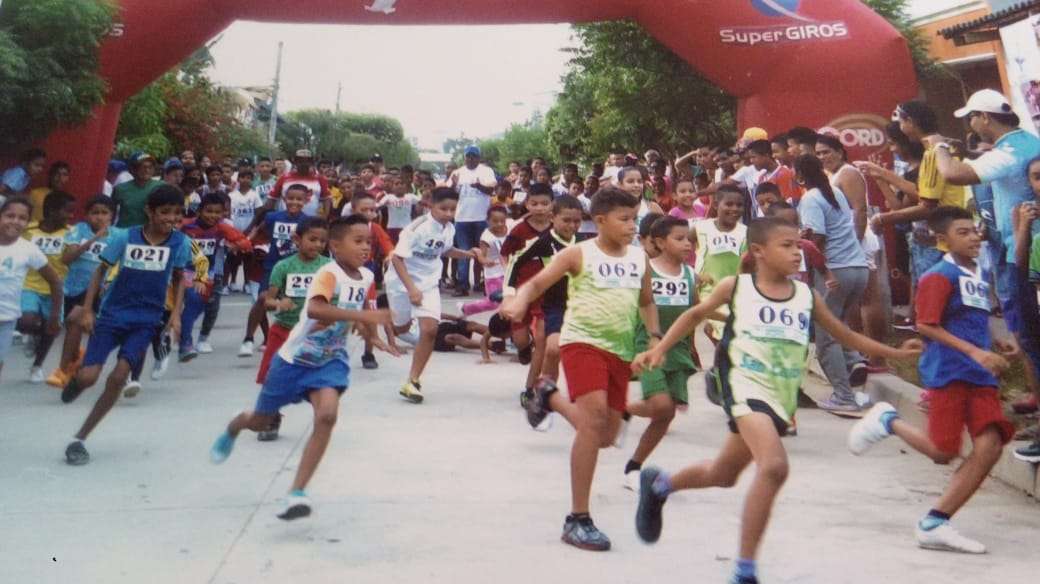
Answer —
986 100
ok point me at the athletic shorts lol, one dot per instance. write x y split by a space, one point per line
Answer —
742 396
402 312
673 383
36 303
444 329
132 341
6 338
276 337
290 384
74 301
553 319
265 279
589 369
534 314
962 405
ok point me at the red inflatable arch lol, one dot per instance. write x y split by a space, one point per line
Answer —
789 62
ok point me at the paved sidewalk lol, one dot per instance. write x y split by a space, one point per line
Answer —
454 491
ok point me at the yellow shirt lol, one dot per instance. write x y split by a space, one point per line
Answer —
931 184
52 245
36 197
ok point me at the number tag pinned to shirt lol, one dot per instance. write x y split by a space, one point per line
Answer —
975 293
723 243
296 285
94 253
208 247
668 292
619 274
49 245
352 298
148 258
776 321
283 231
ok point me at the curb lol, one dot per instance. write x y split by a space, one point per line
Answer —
904 397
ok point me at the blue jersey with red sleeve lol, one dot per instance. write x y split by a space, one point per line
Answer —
958 300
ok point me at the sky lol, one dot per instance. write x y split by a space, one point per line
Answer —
439 81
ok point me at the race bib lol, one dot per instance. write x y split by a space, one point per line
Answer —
617 274
148 258
296 285
283 231
208 247
668 292
94 252
723 243
49 244
431 249
242 211
975 293
352 297
768 320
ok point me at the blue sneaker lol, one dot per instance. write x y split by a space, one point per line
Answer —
743 580
221 449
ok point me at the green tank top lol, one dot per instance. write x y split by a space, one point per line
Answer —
673 295
718 252
766 341
603 300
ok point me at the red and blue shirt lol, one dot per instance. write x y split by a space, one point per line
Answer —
958 300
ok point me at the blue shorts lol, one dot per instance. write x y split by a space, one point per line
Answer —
265 279
36 303
553 319
132 340
287 383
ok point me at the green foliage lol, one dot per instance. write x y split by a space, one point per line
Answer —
48 65
895 11
142 124
346 136
520 142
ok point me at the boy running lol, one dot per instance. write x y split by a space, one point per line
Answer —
148 257
412 286
960 371
762 360
313 364
664 388
609 290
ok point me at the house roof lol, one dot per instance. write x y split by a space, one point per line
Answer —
991 23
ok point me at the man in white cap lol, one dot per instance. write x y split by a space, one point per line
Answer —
1004 169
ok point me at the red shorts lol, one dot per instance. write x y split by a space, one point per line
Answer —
963 405
534 314
276 336
589 369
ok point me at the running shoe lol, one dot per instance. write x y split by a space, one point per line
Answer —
221 449
858 375
29 346
946 539
35 374
583 534
297 505
71 391
271 433
76 454
525 397
632 481
131 389
832 405
204 348
1029 453
711 386
160 367
187 355
1026 405
224 291
538 404
870 430
58 378
903 323
648 514
368 361
743 580
246 350
412 391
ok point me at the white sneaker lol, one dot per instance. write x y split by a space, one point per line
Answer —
29 347
632 481
131 389
619 440
246 350
204 348
869 430
295 506
160 367
945 538
36 375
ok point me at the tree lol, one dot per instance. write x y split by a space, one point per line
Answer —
49 65
895 12
348 137
521 142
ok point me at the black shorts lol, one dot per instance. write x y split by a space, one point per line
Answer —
762 407
74 301
448 327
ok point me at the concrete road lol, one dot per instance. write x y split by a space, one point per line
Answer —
454 491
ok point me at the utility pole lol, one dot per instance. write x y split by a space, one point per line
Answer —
339 93
273 129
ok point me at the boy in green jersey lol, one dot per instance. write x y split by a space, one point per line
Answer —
763 357
664 388
608 294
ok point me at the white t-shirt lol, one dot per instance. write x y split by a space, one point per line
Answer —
494 253
473 204
15 261
748 177
243 208
399 209
421 245
587 225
